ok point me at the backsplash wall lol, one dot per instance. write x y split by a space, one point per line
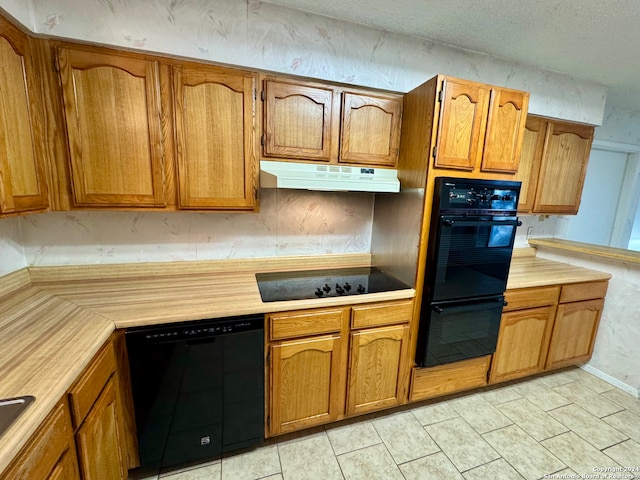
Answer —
262 36
12 255
289 223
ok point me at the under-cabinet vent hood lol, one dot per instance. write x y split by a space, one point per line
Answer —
310 176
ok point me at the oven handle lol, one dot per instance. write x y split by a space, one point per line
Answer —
448 222
439 309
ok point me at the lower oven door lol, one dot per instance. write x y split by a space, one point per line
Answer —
459 330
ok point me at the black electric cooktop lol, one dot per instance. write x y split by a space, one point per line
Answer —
336 282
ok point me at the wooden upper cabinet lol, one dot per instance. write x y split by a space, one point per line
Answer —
370 129
530 158
300 121
563 167
22 180
113 115
504 134
328 124
215 131
462 124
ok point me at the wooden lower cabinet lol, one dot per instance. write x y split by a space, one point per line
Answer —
97 416
522 343
66 468
547 327
85 435
449 378
377 366
99 440
321 367
307 382
574 333
50 454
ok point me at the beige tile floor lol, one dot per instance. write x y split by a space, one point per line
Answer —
567 424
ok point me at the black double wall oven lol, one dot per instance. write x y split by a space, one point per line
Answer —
473 227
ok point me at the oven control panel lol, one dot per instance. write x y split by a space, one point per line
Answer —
477 195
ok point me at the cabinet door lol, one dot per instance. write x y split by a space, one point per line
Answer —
563 168
99 439
112 110
505 130
462 124
50 453
377 368
574 333
215 137
308 382
530 159
66 468
370 129
522 343
22 180
300 122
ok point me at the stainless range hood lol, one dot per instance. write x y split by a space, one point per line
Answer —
310 176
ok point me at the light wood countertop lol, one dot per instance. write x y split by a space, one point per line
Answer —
52 327
45 343
529 271
611 253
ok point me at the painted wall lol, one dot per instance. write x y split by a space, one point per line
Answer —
289 223
20 10
262 36
259 35
12 256
619 126
600 196
616 348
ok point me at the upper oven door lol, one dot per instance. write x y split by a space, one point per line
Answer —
471 256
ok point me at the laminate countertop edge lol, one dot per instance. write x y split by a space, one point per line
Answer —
44 346
605 252
77 316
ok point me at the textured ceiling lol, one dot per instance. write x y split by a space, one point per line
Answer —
595 40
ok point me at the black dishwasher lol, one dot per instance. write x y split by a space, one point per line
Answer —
198 388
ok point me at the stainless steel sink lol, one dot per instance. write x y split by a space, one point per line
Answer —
11 408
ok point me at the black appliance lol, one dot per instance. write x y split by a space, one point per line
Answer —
198 388
336 282
473 227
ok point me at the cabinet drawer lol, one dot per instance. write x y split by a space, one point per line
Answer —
302 323
45 448
379 314
576 292
449 378
83 394
531 297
